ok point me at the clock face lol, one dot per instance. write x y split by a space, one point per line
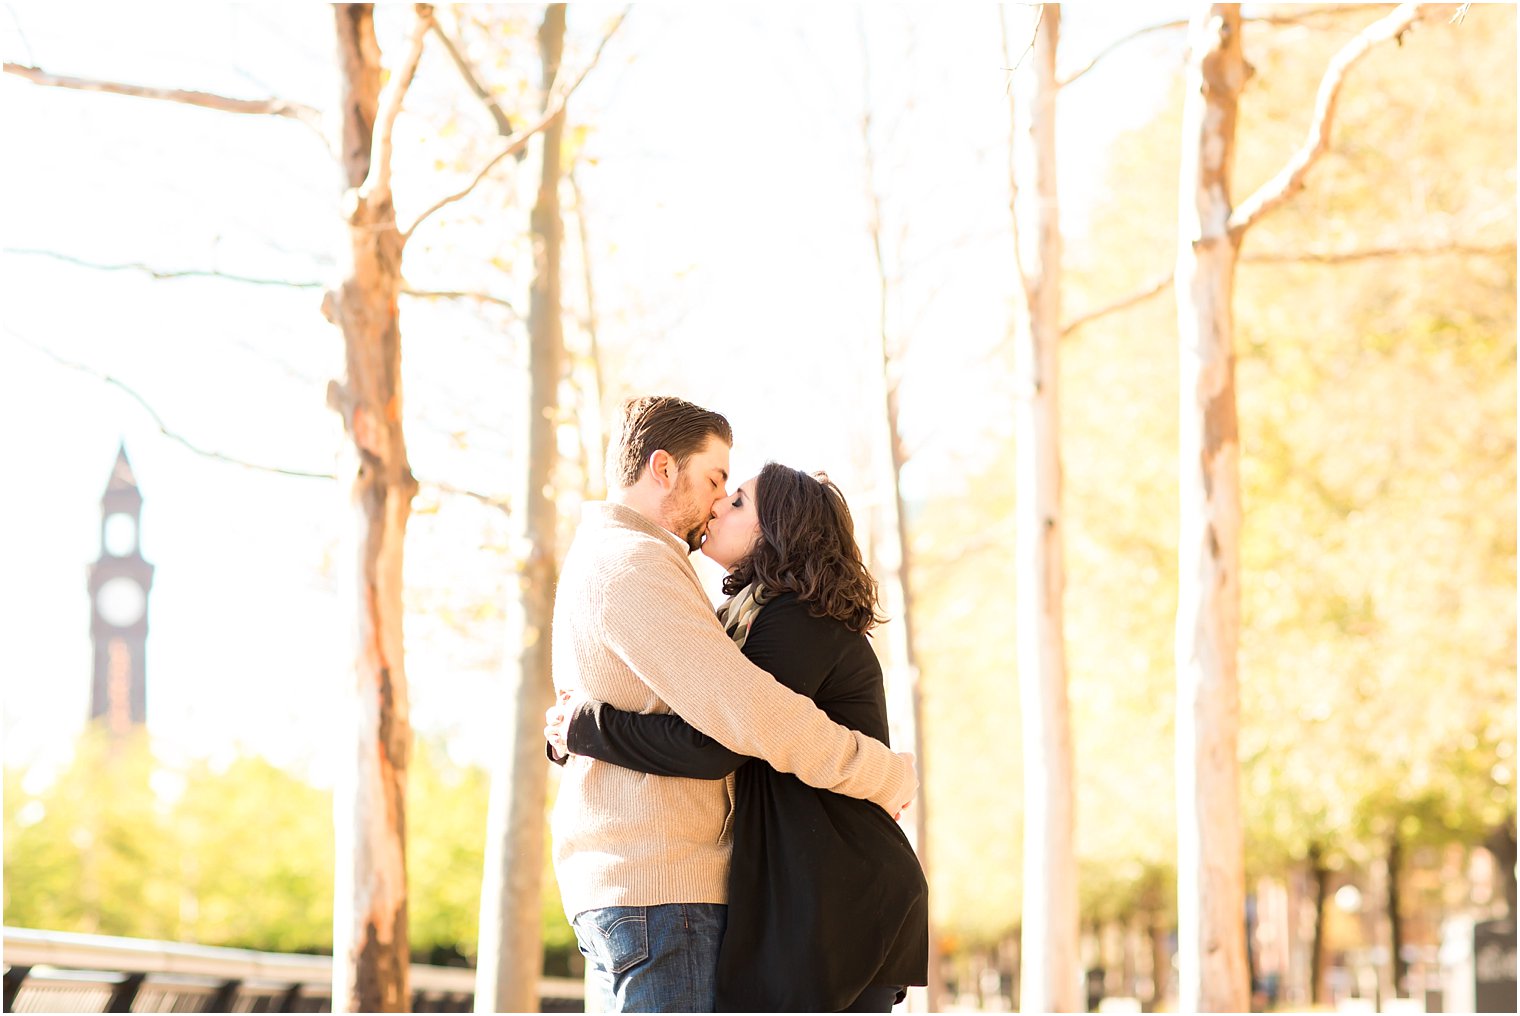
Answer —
121 534
121 602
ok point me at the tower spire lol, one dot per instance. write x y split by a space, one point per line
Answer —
122 477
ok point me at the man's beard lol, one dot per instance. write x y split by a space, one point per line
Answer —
686 517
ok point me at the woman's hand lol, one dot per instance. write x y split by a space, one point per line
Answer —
911 759
557 722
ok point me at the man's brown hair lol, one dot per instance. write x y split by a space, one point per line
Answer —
655 422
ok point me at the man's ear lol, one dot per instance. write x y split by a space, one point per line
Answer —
662 468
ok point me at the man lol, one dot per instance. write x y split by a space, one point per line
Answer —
642 860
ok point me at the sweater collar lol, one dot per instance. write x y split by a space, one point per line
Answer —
620 516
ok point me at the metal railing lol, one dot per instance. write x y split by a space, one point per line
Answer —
54 971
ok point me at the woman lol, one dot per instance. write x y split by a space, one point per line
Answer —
828 907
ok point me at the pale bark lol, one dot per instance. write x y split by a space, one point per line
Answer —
378 183
1051 976
370 942
1210 839
893 556
1210 857
554 109
894 560
511 945
592 424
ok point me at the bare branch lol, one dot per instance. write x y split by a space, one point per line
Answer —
304 114
1290 179
455 294
1345 257
1013 144
1302 258
1117 44
489 500
553 110
379 183
990 540
158 421
1297 17
163 273
1155 288
503 125
197 273
1013 128
1012 66
499 503
20 32
874 224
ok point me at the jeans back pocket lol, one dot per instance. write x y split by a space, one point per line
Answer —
617 938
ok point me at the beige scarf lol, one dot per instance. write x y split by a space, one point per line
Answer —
738 612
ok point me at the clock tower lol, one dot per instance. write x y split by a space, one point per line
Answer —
119 583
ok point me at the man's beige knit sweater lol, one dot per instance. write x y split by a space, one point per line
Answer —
633 628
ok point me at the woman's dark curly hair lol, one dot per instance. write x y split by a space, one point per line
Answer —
807 546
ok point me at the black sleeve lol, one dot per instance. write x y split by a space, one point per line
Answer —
659 743
663 744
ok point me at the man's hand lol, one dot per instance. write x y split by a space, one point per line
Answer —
908 757
557 722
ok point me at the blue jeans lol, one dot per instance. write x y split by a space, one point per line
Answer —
651 959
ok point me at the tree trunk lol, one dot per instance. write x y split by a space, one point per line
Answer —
1501 843
370 947
511 937
902 663
1161 964
1210 837
1395 923
593 426
908 702
1052 979
892 555
1320 877
1253 923
1133 936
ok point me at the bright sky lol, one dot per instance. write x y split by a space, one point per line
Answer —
727 216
